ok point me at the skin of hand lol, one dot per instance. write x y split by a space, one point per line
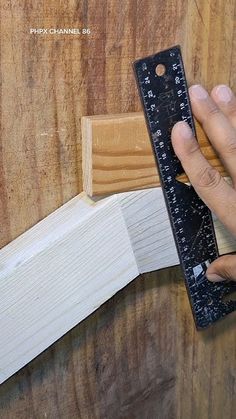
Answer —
216 112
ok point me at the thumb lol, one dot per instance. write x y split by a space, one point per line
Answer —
222 268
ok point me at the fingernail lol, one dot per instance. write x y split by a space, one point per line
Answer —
198 92
184 130
223 93
214 277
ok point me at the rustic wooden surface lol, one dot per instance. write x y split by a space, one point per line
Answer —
117 154
139 355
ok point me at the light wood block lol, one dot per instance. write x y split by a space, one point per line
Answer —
117 154
66 266
59 272
150 232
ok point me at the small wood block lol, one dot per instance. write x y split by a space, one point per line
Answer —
117 154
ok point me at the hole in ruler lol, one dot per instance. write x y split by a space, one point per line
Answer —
160 70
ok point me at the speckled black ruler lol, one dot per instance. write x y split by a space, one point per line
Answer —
164 94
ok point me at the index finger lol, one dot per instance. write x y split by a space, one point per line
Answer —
217 194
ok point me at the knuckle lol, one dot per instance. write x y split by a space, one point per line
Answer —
212 113
209 178
193 148
226 267
230 145
214 110
231 111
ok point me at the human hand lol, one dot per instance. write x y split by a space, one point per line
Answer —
217 114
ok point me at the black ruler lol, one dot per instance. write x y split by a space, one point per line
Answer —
163 90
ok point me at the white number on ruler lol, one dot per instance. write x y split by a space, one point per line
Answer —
144 66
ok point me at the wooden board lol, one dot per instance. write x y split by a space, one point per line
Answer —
61 270
117 154
150 232
57 273
139 354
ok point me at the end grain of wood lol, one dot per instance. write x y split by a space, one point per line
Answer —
117 154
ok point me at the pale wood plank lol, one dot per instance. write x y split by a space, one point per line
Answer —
62 269
57 273
150 232
117 154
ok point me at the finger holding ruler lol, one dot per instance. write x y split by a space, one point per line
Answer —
164 95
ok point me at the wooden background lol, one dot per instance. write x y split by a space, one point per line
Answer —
139 355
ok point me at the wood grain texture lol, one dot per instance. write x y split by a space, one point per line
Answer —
117 154
61 270
57 273
150 233
107 366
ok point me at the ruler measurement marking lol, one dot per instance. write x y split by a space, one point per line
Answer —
167 96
